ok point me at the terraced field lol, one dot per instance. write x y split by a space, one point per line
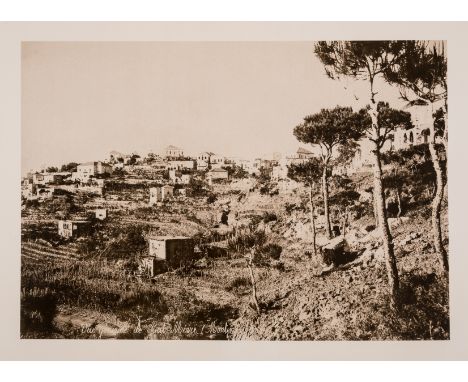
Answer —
35 251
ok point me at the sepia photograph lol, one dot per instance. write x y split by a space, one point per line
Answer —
235 190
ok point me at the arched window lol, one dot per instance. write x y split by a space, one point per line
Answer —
405 138
425 134
411 137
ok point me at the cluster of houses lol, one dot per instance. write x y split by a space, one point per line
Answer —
91 176
173 251
75 228
88 176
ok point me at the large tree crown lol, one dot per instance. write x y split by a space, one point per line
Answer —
388 119
420 71
359 59
330 127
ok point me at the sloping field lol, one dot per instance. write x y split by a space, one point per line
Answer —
38 252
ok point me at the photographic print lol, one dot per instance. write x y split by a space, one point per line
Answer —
234 190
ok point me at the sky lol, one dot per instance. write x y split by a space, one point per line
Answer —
81 100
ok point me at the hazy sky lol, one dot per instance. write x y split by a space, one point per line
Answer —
81 100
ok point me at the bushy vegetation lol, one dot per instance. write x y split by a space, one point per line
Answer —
236 172
239 285
38 309
97 285
266 253
269 217
37 231
114 242
423 315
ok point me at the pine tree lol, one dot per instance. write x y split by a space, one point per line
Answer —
421 74
368 61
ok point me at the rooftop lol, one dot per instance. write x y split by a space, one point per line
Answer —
163 238
171 147
302 150
93 163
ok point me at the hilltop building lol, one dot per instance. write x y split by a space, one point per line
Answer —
174 152
185 164
216 161
85 171
301 156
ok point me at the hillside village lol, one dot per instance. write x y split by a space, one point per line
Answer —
344 239
168 218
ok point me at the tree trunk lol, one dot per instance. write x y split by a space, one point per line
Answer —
312 221
376 218
325 201
252 280
344 222
390 261
445 134
436 207
398 197
381 211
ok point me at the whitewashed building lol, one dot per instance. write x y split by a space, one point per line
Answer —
187 164
160 194
174 152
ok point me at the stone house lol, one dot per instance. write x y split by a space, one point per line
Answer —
45 192
174 250
48 177
204 160
87 170
202 165
28 191
301 156
38 178
216 161
174 152
186 164
159 194
177 177
100 213
70 228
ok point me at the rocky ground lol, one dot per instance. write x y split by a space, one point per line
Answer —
350 302
301 298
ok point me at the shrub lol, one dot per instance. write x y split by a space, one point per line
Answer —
211 199
254 219
290 207
47 232
213 251
38 309
244 240
269 217
265 189
33 203
267 253
272 250
239 285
